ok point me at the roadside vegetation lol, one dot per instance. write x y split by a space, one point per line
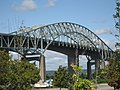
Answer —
61 78
16 74
75 82
111 73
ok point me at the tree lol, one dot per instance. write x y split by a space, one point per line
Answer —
79 83
116 17
61 77
114 70
15 74
114 63
111 73
101 75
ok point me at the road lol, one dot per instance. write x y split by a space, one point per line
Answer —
104 87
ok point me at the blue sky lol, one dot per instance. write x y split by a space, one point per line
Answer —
97 15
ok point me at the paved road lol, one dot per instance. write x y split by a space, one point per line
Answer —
104 87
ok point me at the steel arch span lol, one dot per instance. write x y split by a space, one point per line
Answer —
64 33
68 38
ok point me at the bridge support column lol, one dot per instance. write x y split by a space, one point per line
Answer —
102 64
42 72
89 70
89 64
97 64
42 68
72 59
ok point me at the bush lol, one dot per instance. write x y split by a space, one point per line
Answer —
16 75
79 83
61 78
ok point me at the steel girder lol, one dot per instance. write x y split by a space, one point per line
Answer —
66 33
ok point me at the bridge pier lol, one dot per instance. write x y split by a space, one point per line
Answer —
97 67
97 64
72 59
42 68
88 70
102 64
89 64
42 72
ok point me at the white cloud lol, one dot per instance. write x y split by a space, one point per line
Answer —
83 61
110 43
54 59
103 31
27 5
51 3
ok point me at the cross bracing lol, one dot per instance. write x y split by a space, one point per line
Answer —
66 34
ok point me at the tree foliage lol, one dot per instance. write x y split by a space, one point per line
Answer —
15 74
114 70
111 73
79 83
114 64
101 75
61 77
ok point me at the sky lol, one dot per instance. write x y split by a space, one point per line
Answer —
97 15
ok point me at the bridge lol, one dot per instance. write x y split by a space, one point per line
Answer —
68 38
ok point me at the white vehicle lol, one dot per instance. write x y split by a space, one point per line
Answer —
47 83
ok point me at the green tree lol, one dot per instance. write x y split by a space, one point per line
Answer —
111 72
79 83
114 70
16 75
61 77
101 75
114 63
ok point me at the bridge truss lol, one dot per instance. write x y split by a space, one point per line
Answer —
65 34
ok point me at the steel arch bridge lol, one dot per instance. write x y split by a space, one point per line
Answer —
64 33
64 37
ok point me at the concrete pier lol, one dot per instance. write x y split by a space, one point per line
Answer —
72 59
42 68
102 64
89 70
